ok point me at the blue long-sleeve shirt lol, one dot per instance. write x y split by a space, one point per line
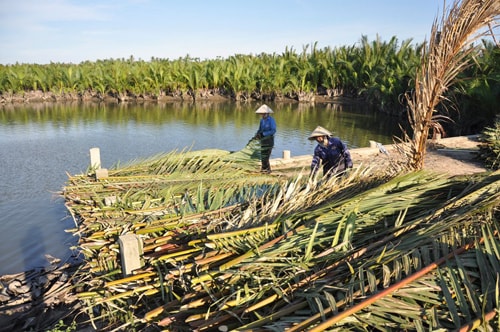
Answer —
335 157
267 127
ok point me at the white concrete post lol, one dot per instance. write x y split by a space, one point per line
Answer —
95 158
95 163
286 154
101 173
130 253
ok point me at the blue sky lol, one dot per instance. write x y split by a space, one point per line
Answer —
72 31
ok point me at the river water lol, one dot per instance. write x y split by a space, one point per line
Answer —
41 143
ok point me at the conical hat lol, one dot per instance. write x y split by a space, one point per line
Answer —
264 109
319 131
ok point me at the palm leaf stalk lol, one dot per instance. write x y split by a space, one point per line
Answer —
138 206
103 244
413 291
448 54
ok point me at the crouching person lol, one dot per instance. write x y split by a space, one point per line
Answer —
330 152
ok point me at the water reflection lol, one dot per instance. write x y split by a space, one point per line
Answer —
39 143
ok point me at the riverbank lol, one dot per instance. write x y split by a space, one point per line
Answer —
38 96
452 156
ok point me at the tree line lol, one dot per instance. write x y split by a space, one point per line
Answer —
378 72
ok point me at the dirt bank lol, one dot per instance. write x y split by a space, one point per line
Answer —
452 156
37 96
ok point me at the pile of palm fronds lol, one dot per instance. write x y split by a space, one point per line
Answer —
228 248
490 150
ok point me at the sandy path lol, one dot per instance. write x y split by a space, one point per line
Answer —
453 156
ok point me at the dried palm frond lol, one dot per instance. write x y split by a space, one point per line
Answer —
450 46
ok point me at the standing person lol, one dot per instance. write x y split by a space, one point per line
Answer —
331 152
265 133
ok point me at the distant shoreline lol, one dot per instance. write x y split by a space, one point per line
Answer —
51 97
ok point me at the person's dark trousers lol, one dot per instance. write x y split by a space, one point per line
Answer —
266 145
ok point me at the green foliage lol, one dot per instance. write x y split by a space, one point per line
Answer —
476 95
61 326
371 70
379 72
490 150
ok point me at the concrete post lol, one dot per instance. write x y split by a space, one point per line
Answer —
130 253
95 158
95 163
101 173
286 154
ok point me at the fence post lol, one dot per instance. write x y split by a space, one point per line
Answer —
130 253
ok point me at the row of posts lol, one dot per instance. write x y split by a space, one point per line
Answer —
130 244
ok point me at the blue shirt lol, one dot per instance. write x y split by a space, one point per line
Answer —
267 126
335 157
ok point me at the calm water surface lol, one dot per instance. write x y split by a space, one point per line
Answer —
40 144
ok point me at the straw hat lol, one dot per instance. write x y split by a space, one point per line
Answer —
319 131
264 109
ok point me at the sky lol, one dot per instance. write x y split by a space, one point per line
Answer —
72 31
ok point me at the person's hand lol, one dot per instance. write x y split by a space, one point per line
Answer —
347 171
258 136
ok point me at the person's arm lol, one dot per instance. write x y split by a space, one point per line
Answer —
316 161
347 155
270 127
258 134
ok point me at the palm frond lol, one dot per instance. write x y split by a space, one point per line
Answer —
450 46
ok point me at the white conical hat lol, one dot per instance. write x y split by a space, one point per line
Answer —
319 131
264 109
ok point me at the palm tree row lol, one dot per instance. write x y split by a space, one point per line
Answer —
376 70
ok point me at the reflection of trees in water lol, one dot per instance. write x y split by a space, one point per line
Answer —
354 122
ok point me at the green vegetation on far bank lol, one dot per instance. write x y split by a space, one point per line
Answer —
378 72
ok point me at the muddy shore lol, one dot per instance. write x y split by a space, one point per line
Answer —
33 97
